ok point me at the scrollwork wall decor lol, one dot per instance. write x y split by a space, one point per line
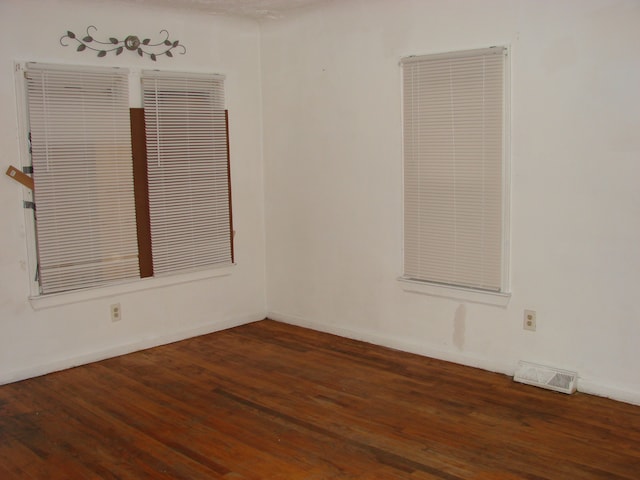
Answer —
131 43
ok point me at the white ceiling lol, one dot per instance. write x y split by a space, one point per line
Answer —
258 9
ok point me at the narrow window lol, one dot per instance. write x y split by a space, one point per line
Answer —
188 171
455 198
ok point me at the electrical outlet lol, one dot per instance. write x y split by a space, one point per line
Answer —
116 312
529 321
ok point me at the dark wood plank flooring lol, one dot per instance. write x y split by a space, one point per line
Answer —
272 401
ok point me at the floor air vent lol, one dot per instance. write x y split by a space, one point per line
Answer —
546 377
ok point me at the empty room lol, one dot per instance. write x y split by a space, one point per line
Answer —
320 239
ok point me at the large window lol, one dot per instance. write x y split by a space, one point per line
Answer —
455 194
106 210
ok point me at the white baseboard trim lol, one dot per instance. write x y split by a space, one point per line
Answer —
603 389
123 349
589 386
398 343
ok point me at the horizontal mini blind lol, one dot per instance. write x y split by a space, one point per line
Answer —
453 127
188 171
81 154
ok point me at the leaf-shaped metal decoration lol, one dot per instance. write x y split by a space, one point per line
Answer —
132 42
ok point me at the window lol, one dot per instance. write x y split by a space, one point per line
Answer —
105 211
455 195
188 170
81 157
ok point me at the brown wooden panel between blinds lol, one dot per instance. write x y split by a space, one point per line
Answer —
141 191
231 230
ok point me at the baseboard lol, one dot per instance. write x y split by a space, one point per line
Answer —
398 343
123 349
584 385
604 389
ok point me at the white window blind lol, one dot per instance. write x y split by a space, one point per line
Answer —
188 170
453 127
81 154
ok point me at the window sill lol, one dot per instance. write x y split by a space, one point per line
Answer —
66 298
499 299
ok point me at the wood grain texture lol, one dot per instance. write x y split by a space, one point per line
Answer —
141 191
273 401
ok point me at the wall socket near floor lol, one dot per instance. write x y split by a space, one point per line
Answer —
116 312
529 320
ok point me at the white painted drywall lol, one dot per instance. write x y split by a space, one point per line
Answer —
332 148
331 97
34 342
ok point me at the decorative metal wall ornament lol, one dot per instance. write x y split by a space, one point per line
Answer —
132 43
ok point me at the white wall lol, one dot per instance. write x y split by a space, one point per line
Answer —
332 145
34 342
331 90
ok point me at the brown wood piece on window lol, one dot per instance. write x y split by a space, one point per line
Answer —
141 191
18 176
231 230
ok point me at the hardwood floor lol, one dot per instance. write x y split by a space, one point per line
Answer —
272 401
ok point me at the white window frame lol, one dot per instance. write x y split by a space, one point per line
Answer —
39 301
500 297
